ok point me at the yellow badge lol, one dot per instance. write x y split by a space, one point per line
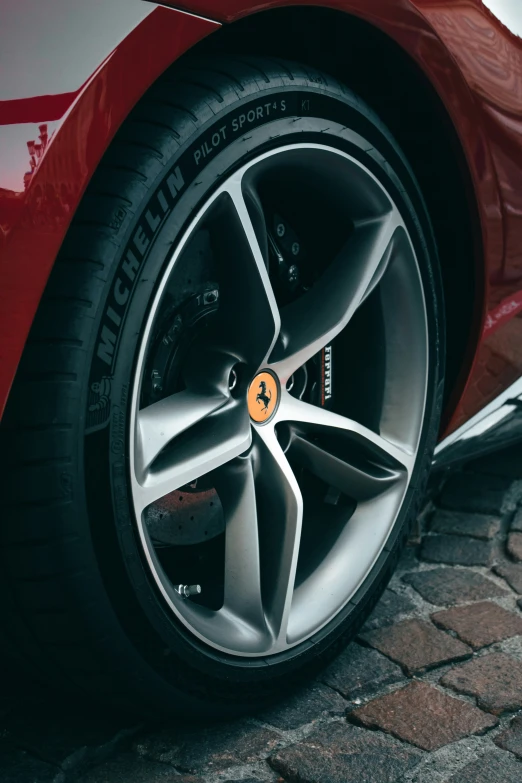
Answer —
263 396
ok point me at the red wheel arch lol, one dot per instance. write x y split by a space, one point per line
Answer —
34 221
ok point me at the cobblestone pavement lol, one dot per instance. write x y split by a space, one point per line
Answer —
428 693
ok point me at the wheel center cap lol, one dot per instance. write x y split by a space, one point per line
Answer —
263 397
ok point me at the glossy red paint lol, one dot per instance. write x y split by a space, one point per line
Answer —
489 55
471 58
34 220
474 62
33 110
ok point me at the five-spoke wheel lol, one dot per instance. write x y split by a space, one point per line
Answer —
286 468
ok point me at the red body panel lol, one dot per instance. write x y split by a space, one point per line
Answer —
471 58
34 218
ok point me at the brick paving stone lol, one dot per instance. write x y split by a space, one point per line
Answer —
495 680
416 645
480 624
390 606
512 573
514 546
489 768
17 766
458 523
340 753
127 768
478 493
511 738
207 748
423 715
305 706
449 586
516 522
456 550
359 671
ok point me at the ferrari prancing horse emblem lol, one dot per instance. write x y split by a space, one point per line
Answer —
263 396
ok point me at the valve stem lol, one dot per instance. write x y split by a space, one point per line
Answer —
185 591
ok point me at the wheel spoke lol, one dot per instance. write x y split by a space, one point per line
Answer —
317 317
280 508
248 321
363 481
210 442
393 459
236 488
158 424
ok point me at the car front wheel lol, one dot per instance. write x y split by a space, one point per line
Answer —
224 419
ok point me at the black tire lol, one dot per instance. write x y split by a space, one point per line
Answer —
79 606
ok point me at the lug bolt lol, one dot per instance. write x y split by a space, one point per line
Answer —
186 591
232 380
280 229
295 248
210 297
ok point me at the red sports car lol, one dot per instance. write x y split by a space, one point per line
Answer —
260 267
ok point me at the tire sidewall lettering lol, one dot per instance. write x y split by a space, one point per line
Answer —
281 116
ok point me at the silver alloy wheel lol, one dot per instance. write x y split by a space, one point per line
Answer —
206 428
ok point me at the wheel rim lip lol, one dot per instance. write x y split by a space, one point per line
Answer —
187 618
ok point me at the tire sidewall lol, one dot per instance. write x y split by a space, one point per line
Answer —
241 131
